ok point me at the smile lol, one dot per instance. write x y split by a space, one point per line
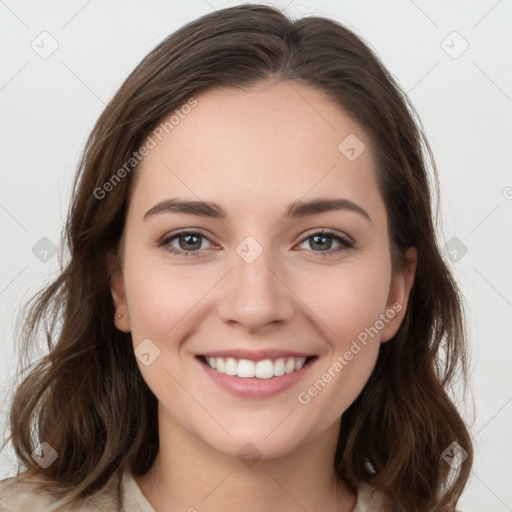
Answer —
263 369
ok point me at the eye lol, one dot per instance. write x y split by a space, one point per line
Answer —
327 242
191 243
185 243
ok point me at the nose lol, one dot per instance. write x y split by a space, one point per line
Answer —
256 295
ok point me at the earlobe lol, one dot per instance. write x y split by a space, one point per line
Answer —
399 292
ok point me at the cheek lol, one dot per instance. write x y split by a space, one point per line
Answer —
161 297
349 304
346 299
164 303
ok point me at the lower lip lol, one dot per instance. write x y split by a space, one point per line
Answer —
256 388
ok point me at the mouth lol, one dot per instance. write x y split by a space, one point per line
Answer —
261 369
256 378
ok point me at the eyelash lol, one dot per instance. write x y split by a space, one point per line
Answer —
345 243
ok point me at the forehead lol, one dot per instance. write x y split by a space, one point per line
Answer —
274 143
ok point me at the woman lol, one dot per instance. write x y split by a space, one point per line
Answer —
255 313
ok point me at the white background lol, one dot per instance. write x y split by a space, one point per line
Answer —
49 106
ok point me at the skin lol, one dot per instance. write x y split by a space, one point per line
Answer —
255 152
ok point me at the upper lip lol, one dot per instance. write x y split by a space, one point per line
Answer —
255 355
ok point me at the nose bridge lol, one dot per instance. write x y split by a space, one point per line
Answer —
256 297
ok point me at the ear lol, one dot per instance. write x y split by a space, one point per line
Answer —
117 289
399 291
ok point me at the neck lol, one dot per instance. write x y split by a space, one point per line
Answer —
189 475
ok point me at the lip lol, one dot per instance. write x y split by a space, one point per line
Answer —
254 388
255 355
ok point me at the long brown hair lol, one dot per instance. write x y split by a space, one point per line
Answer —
87 397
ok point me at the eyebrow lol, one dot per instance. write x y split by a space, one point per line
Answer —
294 210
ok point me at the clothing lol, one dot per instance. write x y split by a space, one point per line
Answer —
16 496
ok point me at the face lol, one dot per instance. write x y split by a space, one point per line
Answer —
282 281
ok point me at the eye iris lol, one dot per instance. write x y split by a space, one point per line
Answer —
318 240
192 242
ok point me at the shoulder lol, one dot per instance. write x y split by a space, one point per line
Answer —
19 494
368 499
371 500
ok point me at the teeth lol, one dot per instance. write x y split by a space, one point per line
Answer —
279 368
265 369
231 367
246 368
289 365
